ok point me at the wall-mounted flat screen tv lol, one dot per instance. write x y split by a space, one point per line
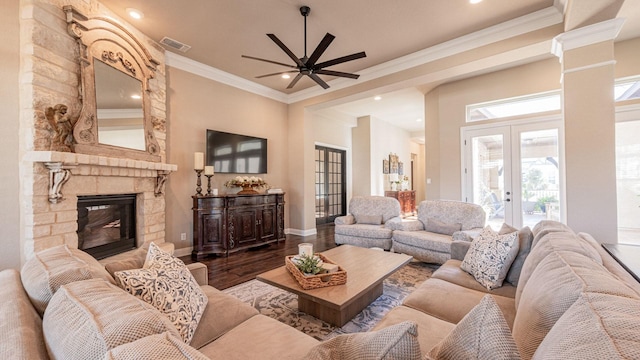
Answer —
235 153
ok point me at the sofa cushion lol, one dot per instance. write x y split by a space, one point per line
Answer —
544 227
215 322
369 219
20 324
451 302
525 240
398 341
160 346
424 240
451 211
431 330
260 337
596 326
49 269
490 256
364 230
450 271
168 285
85 319
441 227
556 283
482 334
552 242
387 207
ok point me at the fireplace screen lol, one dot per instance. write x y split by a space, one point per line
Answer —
106 224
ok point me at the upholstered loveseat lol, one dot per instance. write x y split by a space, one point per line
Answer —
572 301
439 223
369 222
64 304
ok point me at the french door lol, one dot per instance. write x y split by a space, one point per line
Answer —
331 191
515 172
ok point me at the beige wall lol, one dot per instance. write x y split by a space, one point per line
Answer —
361 136
9 127
385 139
196 104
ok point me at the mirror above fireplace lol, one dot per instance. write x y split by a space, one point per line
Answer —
114 66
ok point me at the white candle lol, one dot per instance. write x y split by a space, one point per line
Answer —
198 161
208 170
305 249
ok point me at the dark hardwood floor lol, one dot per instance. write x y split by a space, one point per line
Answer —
243 266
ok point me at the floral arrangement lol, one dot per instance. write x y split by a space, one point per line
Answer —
245 181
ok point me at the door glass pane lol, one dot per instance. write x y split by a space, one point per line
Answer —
539 162
488 177
628 181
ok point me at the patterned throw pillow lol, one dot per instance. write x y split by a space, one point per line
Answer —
482 334
439 227
490 256
398 341
168 285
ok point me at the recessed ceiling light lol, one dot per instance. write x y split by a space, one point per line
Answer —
286 76
377 98
474 1
136 97
135 13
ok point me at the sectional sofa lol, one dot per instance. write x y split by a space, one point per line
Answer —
571 301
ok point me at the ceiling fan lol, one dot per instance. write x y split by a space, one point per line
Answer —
308 65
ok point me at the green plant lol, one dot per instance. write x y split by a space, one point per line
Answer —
309 264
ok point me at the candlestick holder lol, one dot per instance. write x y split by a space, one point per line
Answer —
209 192
198 183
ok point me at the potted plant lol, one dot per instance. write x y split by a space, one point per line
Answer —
308 265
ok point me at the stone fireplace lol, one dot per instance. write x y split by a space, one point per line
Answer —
53 73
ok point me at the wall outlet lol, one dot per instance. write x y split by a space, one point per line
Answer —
183 236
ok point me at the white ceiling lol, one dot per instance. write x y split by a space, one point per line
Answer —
219 32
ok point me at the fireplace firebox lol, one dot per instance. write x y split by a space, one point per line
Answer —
106 224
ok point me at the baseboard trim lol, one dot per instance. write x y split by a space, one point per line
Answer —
300 232
183 251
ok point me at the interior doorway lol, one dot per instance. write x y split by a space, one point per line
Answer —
331 191
515 172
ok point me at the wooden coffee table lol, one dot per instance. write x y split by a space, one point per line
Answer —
366 270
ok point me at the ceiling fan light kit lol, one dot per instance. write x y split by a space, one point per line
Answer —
308 65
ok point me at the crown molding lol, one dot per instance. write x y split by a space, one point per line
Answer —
588 35
522 25
211 73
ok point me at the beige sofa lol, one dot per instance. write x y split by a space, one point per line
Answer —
439 222
573 301
83 312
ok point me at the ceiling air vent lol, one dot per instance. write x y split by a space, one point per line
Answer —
174 44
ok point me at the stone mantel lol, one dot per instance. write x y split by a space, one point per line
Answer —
63 165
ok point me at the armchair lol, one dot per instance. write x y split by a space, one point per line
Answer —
369 222
439 223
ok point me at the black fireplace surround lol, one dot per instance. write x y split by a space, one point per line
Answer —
106 224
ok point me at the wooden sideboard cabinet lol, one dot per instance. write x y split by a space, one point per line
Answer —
407 199
228 223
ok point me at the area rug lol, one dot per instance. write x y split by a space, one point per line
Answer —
283 305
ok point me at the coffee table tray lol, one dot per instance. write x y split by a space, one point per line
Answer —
308 282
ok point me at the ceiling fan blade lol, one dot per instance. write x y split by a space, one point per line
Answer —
285 49
269 61
340 60
320 82
295 80
324 44
337 73
278 73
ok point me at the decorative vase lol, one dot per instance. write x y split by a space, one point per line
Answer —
247 190
394 186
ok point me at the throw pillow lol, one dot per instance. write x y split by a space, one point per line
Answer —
49 269
525 240
167 284
399 341
439 227
369 219
87 318
160 346
482 334
490 256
